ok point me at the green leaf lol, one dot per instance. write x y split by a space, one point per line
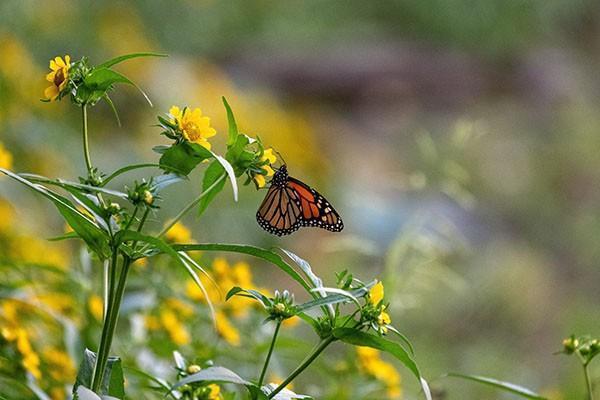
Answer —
183 157
110 103
212 183
100 80
230 173
93 235
264 254
506 386
358 338
233 129
212 374
125 57
127 169
112 384
254 294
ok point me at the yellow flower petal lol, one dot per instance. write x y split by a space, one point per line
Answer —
51 92
260 180
269 156
59 61
376 293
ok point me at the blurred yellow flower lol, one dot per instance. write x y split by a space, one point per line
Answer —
193 125
370 362
57 76
60 364
57 393
30 361
184 309
151 322
179 233
270 157
214 392
96 307
226 330
276 379
6 215
376 293
6 158
178 333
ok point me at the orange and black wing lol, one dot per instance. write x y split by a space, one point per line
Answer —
315 209
280 212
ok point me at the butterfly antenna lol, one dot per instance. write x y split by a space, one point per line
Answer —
281 157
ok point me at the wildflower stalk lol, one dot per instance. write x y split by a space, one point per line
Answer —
191 205
307 361
86 145
588 381
268 359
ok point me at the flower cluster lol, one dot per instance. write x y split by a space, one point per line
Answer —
585 347
375 311
370 363
225 276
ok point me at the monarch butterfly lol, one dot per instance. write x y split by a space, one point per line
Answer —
290 204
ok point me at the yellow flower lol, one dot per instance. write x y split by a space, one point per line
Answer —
6 215
96 307
176 330
214 392
57 76
226 330
57 393
370 362
193 125
376 293
6 158
152 323
179 233
181 307
270 157
278 380
61 365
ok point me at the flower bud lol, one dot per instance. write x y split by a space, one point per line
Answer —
279 307
148 197
570 345
113 208
192 369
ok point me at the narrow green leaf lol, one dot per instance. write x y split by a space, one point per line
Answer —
125 57
359 338
214 175
110 103
212 374
233 129
101 79
506 386
127 169
230 172
258 252
94 236
255 294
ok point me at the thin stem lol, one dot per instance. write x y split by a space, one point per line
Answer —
132 218
126 169
191 205
112 323
307 361
86 145
102 350
268 359
588 381
105 272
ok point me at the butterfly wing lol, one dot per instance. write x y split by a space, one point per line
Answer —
280 212
315 209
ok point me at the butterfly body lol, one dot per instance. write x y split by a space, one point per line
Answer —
291 204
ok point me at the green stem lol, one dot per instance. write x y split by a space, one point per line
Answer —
191 205
105 326
588 381
86 145
307 361
268 359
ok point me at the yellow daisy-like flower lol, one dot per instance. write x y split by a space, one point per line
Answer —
6 158
179 233
194 126
57 76
270 157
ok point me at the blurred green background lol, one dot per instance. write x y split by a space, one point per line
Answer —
458 139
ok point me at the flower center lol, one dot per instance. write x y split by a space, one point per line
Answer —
192 130
59 77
